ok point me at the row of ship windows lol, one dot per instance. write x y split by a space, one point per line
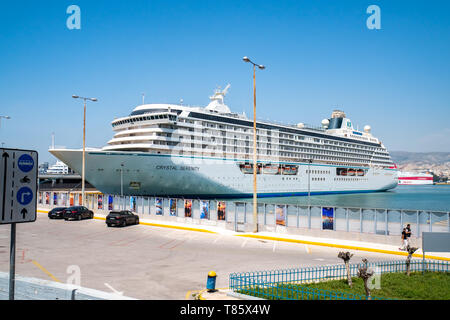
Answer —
247 137
268 132
145 118
351 179
291 155
269 146
274 152
189 149
264 146
353 150
317 171
298 137
289 136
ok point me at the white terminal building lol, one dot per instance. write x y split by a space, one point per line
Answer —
58 168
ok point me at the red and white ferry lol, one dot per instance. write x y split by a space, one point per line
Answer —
413 178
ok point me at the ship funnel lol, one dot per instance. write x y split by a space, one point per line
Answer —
337 119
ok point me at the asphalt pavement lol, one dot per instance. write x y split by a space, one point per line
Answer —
150 262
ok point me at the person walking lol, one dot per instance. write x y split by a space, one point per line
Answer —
408 234
404 240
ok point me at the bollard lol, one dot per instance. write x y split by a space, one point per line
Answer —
211 283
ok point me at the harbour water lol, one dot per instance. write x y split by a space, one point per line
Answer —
427 197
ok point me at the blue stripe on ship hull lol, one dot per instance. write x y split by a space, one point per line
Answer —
267 195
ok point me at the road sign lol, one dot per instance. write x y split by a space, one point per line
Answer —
436 241
18 185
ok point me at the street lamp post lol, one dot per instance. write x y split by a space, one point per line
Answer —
309 183
84 144
255 161
121 186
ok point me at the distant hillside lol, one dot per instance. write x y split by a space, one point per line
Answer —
436 158
436 162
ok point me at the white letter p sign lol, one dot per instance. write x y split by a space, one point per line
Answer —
374 21
74 20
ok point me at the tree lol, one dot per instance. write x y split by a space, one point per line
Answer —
410 251
364 273
346 256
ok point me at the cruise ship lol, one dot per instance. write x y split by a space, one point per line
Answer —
207 152
414 178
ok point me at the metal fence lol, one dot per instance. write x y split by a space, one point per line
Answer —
239 214
296 292
286 283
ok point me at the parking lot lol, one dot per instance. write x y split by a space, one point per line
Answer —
148 262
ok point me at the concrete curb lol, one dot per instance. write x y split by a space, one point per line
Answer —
243 296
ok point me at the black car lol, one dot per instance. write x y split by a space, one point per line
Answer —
78 213
121 218
57 213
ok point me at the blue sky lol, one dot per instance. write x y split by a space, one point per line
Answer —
319 55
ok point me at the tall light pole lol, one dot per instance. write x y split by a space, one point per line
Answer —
121 186
255 161
84 144
309 183
5 117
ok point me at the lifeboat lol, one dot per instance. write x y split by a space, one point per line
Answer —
360 172
351 172
289 170
270 169
246 168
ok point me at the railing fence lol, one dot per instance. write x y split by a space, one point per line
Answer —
378 221
286 283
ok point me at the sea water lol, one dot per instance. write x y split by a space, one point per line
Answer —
426 197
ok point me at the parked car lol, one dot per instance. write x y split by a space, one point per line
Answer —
121 218
57 213
78 213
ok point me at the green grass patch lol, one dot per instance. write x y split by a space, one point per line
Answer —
418 286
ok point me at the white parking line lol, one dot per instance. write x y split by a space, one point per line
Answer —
243 243
307 249
274 245
218 238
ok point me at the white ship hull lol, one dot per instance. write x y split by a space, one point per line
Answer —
165 175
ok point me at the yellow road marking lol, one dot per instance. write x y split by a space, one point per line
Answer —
175 227
340 246
45 271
